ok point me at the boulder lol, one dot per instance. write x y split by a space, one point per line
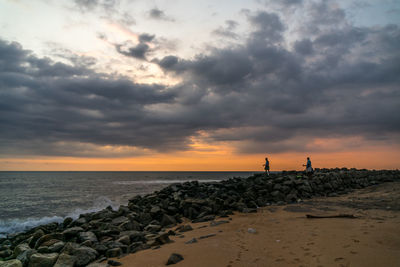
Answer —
87 236
25 256
65 260
72 232
167 220
114 252
10 263
20 248
39 233
43 260
48 237
152 228
84 255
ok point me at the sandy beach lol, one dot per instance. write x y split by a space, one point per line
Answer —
283 236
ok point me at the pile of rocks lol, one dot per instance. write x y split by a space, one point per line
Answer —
143 223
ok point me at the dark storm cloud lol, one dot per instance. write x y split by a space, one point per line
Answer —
159 14
262 95
341 83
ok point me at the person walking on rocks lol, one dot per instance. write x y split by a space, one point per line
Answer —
266 166
309 169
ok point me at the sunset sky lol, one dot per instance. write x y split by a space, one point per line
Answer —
199 85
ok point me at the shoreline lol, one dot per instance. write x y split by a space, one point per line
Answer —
285 237
143 223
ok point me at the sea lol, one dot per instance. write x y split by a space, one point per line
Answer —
29 199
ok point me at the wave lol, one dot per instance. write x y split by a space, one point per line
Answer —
141 182
20 225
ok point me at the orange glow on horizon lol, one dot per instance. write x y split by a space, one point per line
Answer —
209 161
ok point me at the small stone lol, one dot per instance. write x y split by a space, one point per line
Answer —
184 228
174 258
216 223
207 236
252 230
114 263
191 241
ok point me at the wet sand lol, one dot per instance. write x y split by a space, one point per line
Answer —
285 237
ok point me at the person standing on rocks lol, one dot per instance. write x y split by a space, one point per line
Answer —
266 166
309 169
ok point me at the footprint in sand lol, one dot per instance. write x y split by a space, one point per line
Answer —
353 252
339 259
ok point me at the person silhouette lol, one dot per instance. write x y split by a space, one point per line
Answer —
309 169
266 166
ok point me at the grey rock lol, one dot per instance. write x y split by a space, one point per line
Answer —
184 228
207 236
124 240
163 239
25 256
174 258
72 232
191 241
39 233
56 247
65 260
251 230
84 255
167 220
119 220
11 263
216 223
6 253
114 252
87 236
152 228
114 263
20 248
43 260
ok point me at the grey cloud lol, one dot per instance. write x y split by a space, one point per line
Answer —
139 51
304 46
261 96
268 26
90 5
159 14
227 31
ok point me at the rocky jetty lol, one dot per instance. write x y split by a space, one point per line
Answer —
144 222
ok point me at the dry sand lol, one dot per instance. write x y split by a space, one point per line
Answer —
285 237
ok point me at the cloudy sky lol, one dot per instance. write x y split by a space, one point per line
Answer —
199 85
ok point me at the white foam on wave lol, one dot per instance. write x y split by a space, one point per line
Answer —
20 225
141 182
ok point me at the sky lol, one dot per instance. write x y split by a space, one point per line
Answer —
180 85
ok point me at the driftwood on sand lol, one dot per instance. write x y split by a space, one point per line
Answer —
350 216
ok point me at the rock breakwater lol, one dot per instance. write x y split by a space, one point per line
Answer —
143 223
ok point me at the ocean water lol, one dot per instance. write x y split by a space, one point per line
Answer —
28 199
